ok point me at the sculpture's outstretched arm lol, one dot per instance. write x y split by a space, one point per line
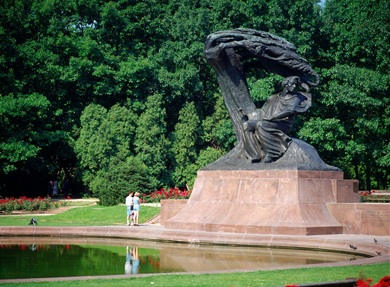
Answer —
270 52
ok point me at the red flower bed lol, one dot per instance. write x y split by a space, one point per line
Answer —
10 204
371 196
171 193
384 282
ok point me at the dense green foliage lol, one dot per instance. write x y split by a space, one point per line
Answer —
113 96
349 123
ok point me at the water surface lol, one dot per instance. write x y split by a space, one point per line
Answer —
65 257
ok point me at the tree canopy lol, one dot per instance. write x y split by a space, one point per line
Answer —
92 89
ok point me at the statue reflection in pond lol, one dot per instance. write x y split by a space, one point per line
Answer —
132 260
267 129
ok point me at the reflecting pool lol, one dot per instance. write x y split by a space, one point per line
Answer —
65 257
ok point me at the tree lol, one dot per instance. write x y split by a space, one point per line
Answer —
218 129
151 143
105 147
358 33
352 123
184 146
297 22
104 135
28 145
17 147
349 122
81 73
37 41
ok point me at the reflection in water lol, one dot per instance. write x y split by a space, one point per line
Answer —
203 258
132 260
64 257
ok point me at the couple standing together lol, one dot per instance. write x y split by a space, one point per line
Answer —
133 204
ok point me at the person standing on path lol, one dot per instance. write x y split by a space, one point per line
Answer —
130 207
137 207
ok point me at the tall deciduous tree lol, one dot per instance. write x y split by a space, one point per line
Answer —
217 129
351 128
104 135
20 142
151 143
184 146
28 145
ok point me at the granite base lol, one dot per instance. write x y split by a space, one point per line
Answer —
290 202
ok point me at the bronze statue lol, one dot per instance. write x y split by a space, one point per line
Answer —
267 130
262 134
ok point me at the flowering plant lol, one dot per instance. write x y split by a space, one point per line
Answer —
29 204
171 193
384 282
371 196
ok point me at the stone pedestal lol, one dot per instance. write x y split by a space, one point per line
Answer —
265 202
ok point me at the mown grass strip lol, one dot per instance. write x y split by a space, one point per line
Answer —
95 215
239 279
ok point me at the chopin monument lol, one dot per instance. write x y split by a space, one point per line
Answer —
269 183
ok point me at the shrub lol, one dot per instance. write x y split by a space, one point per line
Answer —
111 186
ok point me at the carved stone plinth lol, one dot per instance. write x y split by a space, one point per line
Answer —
264 201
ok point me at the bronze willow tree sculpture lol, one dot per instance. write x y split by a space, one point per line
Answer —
262 134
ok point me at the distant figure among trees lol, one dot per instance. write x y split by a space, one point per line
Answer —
55 188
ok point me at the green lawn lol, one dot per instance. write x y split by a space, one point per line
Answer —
83 215
116 215
238 279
